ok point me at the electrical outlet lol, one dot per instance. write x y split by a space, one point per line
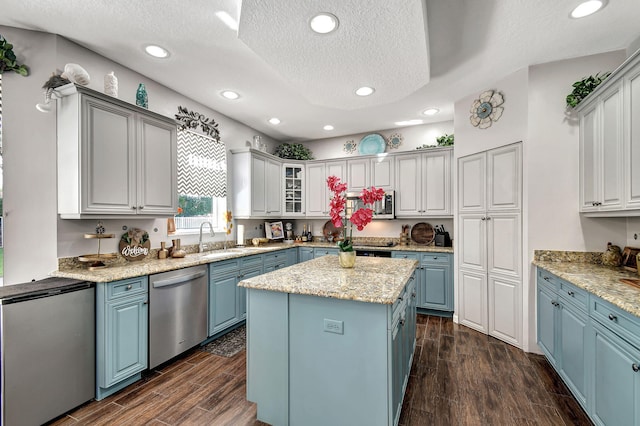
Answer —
333 326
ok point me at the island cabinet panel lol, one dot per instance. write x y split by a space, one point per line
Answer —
355 361
314 360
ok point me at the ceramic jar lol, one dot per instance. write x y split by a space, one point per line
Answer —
613 256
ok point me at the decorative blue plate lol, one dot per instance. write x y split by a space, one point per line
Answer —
372 144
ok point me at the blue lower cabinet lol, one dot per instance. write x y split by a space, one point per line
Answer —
227 301
305 253
616 379
434 279
121 334
594 347
292 256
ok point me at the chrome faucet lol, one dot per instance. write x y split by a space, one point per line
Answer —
202 247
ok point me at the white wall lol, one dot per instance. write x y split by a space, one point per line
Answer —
34 236
413 137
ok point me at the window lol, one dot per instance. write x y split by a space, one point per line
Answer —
202 182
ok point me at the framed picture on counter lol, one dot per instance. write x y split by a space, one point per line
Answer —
274 230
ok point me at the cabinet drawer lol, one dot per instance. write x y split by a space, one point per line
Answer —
224 267
435 258
317 252
251 262
275 257
127 287
550 279
405 255
620 322
574 295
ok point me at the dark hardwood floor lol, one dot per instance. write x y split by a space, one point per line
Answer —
459 377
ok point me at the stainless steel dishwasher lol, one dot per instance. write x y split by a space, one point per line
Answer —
177 312
48 352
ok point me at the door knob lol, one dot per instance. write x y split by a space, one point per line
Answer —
613 317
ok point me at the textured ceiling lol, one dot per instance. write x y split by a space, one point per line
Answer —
384 46
278 72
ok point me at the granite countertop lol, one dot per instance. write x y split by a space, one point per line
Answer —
153 266
603 281
372 279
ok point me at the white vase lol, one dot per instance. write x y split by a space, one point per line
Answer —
111 84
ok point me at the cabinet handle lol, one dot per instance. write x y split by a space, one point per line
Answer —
133 207
635 367
146 302
400 298
402 322
129 287
435 258
404 257
488 218
546 278
613 317
570 293
413 295
483 218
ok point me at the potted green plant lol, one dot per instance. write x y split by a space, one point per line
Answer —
583 87
8 60
446 140
293 151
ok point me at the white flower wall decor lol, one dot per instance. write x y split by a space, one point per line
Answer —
487 109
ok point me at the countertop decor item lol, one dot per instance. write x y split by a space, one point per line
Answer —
191 120
629 260
372 144
445 140
9 61
163 253
76 74
360 218
135 244
142 99
176 250
612 256
422 233
350 146
329 230
583 87
394 141
96 261
293 151
487 109
111 84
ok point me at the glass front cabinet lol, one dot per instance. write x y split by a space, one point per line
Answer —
293 190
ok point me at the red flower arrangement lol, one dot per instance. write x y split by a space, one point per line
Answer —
360 218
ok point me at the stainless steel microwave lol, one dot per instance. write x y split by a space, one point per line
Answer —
383 209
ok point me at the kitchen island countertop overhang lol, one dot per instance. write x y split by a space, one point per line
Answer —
371 280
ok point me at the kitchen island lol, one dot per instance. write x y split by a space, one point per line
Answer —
327 345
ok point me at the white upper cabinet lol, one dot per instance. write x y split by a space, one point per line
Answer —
294 191
504 178
317 192
423 183
383 172
609 144
472 183
257 184
358 174
114 159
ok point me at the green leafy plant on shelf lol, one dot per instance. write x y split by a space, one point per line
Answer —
8 60
445 140
583 87
293 151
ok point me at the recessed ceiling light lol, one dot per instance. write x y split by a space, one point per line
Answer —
587 8
324 23
229 94
328 127
408 122
365 91
156 51
275 121
431 111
